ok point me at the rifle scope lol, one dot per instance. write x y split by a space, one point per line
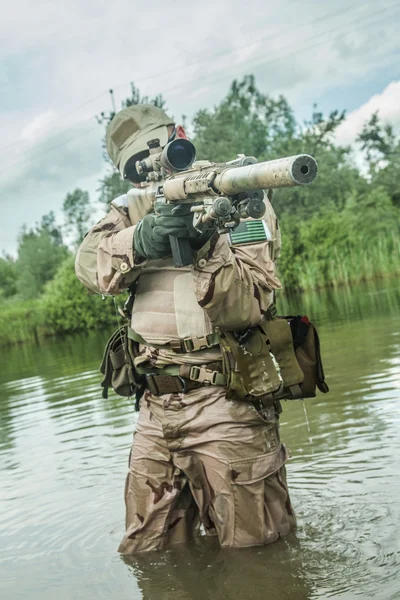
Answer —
176 156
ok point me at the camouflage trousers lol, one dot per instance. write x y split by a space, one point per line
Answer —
200 459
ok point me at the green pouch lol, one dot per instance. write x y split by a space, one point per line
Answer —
117 365
249 368
280 340
253 375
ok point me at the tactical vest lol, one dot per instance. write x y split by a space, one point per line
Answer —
280 358
166 313
165 307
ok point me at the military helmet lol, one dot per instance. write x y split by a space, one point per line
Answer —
131 129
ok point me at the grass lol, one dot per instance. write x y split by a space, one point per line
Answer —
348 266
22 321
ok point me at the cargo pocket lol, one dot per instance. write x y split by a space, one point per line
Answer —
262 511
266 414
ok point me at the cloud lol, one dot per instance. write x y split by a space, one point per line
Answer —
60 59
37 128
44 173
387 103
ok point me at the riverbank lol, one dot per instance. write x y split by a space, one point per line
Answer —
66 307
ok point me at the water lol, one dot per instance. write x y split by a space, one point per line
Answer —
64 452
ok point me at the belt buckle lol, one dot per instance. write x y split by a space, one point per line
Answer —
203 375
194 344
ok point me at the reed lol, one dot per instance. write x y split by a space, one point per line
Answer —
20 322
66 307
350 265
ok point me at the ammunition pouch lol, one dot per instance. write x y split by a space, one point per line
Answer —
117 365
280 359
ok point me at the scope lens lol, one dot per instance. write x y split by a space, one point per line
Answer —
181 154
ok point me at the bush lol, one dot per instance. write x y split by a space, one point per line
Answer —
20 322
67 306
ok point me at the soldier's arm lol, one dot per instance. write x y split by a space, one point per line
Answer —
105 262
235 284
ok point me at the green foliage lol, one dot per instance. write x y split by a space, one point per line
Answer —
377 140
77 211
20 322
40 253
246 121
255 124
382 151
111 187
135 98
340 247
8 277
64 307
68 306
48 223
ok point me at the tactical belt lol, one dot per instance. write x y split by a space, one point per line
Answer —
193 344
182 345
188 377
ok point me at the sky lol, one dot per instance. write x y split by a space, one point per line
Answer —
58 60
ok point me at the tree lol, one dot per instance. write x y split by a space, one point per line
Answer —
8 277
246 121
112 186
253 123
378 141
67 306
381 145
48 223
77 211
39 256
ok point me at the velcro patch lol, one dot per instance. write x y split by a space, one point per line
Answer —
250 232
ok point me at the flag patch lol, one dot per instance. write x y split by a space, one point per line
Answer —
250 232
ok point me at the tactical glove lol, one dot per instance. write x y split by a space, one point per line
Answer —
177 220
148 243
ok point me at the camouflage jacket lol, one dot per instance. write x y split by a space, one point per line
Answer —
233 284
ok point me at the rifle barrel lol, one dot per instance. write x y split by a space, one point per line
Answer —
282 172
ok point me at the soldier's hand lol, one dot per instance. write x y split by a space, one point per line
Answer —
173 219
177 220
148 243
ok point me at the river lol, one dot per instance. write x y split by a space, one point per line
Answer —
64 453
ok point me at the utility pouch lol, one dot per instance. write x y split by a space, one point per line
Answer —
293 371
308 353
117 365
249 367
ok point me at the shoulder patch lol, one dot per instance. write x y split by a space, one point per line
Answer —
250 232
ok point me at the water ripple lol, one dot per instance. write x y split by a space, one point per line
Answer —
64 452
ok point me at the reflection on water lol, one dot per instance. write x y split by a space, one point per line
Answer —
63 457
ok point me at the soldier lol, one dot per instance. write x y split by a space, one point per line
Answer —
197 457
